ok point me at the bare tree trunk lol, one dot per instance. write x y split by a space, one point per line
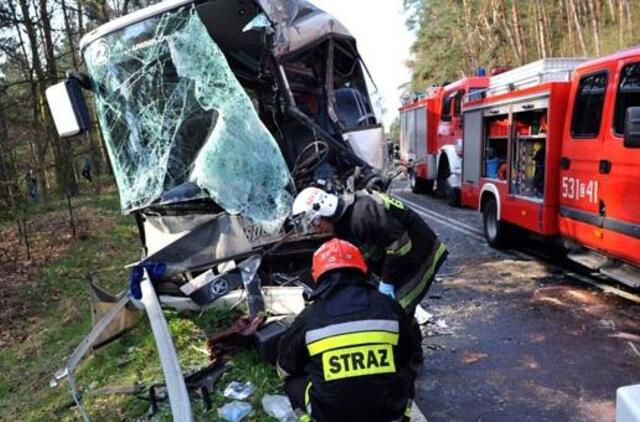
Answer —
80 18
508 29
470 44
612 10
574 12
627 10
37 89
595 27
70 38
621 23
546 31
63 151
515 17
540 28
566 20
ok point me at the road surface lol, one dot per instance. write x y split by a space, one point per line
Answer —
513 338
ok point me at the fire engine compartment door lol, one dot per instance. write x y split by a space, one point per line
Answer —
408 147
472 136
421 133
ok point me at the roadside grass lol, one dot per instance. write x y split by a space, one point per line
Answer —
57 317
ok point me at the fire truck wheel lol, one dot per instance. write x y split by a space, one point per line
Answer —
419 185
495 231
453 196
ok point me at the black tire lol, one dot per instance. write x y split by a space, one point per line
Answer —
495 231
453 196
419 185
441 186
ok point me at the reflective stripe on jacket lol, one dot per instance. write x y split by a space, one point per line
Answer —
356 346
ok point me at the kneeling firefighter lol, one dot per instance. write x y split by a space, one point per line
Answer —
397 244
347 356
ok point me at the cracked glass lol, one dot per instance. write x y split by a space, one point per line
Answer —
173 114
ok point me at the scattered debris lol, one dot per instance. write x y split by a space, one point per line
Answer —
422 316
441 323
226 341
199 384
626 336
634 348
279 407
234 411
238 390
607 323
470 357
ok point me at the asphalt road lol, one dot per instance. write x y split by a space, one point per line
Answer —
513 339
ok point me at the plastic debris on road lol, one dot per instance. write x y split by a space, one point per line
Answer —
422 316
234 411
278 407
238 390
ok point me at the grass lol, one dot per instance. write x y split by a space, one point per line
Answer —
58 317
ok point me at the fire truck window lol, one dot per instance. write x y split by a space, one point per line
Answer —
587 110
476 93
628 95
446 109
457 105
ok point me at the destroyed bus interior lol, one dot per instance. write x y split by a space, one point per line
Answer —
200 116
214 115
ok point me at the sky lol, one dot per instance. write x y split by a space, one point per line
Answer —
383 41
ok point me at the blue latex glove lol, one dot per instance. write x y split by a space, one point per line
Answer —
387 289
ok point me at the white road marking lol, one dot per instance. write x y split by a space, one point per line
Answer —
478 235
416 414
443 217
446 221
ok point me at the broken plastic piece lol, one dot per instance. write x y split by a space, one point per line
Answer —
422 316
260 22
278 407
234 411
238 390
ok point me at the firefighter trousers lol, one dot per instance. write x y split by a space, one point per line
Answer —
411 293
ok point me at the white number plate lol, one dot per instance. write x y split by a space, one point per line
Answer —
576 189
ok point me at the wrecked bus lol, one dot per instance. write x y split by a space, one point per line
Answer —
214 114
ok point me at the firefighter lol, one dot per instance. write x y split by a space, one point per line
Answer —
347 356
397 244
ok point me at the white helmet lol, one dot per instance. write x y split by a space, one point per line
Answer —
314 202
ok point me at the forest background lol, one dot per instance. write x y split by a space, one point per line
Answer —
39 43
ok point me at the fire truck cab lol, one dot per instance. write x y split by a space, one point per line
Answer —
559 156
449 137
431 136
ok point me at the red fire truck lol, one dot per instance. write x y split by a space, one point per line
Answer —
431 137
561 159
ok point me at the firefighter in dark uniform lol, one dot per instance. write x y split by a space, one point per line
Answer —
347 356
396 243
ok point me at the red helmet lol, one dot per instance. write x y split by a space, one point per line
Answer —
336 253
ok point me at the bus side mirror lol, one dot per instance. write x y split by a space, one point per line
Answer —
68 108
632 128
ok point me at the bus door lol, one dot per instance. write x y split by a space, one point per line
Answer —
581 162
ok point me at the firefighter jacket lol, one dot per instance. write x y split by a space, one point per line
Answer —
355 345
397 244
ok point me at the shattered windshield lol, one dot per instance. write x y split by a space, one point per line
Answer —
172 112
